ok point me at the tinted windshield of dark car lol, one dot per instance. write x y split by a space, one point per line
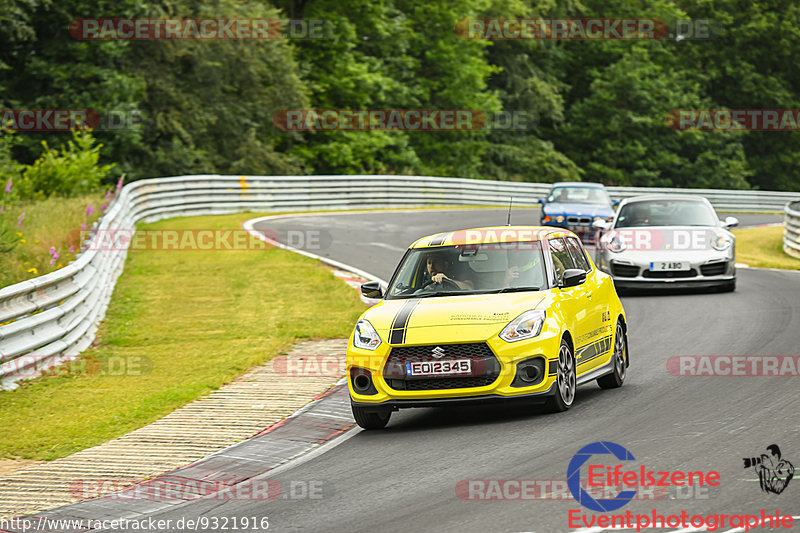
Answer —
578 195
665 213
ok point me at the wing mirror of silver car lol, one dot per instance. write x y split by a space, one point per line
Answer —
730 222
601 224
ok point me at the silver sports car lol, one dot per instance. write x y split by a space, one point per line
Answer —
668 241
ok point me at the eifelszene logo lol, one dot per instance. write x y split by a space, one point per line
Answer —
600 475
774 472
574 476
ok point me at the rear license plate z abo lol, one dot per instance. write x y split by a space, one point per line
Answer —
661 266
439 368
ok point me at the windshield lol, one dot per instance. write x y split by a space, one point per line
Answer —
469 269
666 213
579 195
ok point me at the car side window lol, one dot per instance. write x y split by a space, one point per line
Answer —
578 254
562 260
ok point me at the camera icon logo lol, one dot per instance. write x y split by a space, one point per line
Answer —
774 472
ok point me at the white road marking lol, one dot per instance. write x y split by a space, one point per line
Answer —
387 246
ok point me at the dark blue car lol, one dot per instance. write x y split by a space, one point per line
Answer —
575 205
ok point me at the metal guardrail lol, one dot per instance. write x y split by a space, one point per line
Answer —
53 318
791 229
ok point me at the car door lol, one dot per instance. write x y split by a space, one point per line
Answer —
574 302
594 349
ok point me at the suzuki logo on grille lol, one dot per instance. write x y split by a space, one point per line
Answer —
438 352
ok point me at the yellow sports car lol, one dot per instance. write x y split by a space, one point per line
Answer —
486 314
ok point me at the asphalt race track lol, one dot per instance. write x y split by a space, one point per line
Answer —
405 477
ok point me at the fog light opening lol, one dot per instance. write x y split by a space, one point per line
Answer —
361 383
529 373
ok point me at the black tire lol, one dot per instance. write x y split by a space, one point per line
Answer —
620 358
566 381
370 418
729 286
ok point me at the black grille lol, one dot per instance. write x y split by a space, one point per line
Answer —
624 271
485 366
670 274
441 383
579 220
714 269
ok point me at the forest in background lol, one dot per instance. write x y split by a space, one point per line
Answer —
595 109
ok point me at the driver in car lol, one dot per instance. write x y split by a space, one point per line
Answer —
438 267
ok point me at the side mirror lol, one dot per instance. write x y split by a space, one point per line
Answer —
601 224
730 222
371 289
614 203
541 201
572 277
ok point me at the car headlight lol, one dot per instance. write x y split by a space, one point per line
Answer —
525 326
614 243
365 336
722 242
559 219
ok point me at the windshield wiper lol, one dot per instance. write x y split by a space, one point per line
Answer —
518 289
441 293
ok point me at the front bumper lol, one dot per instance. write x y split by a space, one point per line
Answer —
508 355
631 271
463 400
672 284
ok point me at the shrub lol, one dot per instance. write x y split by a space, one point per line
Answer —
71 171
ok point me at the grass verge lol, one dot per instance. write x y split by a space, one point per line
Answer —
180 324
29 229
763 248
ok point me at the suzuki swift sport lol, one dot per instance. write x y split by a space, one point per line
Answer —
486 314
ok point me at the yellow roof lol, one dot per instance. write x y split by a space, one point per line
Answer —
491 235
